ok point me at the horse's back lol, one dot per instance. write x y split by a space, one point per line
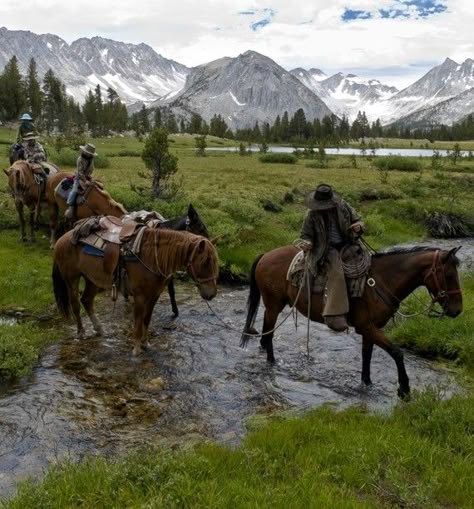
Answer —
272 268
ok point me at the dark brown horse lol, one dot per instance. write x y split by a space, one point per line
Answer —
163 252
394 275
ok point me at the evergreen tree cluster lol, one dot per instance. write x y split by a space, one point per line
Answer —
52 109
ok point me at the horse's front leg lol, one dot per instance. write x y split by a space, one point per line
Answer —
171 292
32 225
149 306
139 329
73 289
21 217
376 336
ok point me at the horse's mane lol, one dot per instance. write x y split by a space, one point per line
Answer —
110 200
408 250
168 250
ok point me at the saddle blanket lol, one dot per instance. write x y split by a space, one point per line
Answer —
295 274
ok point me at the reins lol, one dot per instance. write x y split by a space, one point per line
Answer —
441 297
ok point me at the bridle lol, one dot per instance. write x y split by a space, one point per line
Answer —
436 272
191 269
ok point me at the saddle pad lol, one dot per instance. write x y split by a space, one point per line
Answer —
94 241
296 265
93 251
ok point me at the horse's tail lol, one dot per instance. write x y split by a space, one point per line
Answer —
253 301
61 292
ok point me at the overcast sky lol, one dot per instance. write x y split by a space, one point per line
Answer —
396 41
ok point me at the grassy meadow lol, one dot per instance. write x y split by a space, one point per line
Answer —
420 456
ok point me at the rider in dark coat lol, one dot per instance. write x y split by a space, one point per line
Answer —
27 126
329 226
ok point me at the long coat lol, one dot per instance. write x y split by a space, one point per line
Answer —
315 231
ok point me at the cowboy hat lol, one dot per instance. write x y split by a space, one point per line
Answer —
323 198
26 116
88 148
30 136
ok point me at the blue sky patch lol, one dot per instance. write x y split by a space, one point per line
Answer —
350 14
266 19
399 9
259 24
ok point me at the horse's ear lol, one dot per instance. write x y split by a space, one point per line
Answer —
202 245
451 254
191 211
215 240
7 173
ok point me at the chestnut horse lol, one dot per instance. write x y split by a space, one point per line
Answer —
393 276
98 203
162 253
27 192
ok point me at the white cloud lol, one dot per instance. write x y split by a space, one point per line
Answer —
301 33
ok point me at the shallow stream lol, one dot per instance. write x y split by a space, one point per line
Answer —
91 396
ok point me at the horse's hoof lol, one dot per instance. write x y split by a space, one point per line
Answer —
367 382
404 394
271 361
136 351
99 332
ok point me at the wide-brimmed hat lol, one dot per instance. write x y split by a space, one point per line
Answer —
88 148
26 116
30 136
323 198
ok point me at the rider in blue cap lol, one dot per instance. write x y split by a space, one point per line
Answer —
26 127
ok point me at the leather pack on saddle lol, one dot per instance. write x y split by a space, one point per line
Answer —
356 263
41 172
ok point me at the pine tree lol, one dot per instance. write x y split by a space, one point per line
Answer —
12 91
89 111
285 128
33 90
54 99
157 118
157 158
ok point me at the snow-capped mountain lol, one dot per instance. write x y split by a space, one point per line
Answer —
445 112
441 83
245 89
347 94
135 71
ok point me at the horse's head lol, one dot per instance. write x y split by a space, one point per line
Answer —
19 175
203 267
194 223
442 281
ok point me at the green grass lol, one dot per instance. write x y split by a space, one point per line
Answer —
278 158
421 456
399 163
21 345
446 337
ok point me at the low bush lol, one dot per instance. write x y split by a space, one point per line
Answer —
399 163
278 158
445 225
68 157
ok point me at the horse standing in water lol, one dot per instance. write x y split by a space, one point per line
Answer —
162 253
394 275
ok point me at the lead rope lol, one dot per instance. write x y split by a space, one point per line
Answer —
293 307
308 277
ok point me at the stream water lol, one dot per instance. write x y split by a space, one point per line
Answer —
195 383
